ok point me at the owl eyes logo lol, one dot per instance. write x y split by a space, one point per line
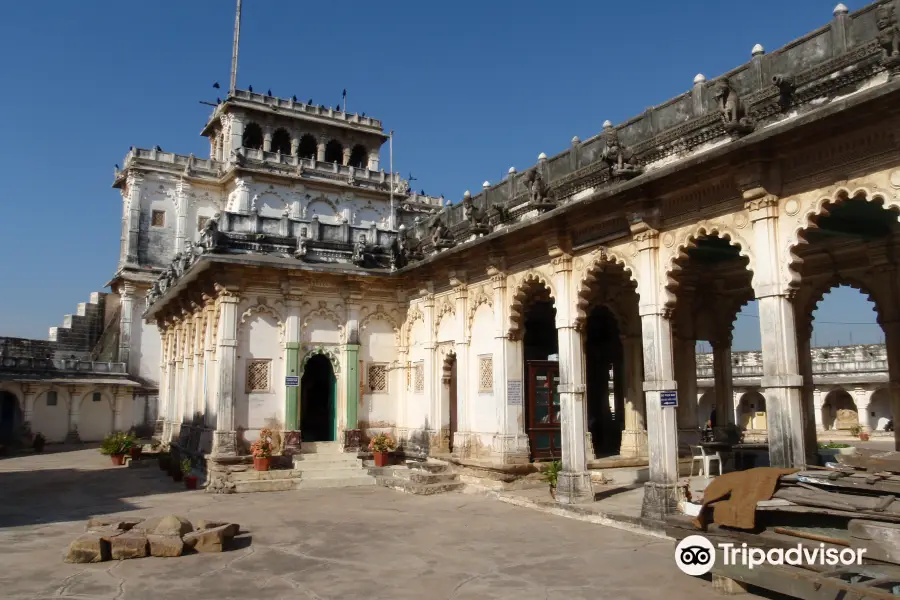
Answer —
695 555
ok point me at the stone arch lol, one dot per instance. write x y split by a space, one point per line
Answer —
601 260
15 390
880 405
532 284
252 137
480 298
323 312
809 302
281 141
334 152
705 405
308 146
413 315
327 352
839 410
381 315
359 157
689 240
447 308
750 404
103 420
820 206
263 309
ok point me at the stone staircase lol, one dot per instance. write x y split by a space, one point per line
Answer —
324 465
79 332
416 477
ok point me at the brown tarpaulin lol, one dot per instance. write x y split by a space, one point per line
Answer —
743 489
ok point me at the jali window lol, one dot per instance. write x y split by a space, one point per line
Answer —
258 375
485 373
419 377
158 218
201 223
378 378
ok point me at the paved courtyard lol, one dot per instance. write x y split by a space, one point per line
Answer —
368 543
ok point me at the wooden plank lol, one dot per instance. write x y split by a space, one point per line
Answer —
880 540
873 506
812 510
816 534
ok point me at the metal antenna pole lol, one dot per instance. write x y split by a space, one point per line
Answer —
391 146
234 49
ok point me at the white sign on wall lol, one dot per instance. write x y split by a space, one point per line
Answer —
514 392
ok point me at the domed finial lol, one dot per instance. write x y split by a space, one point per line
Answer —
486 184
512 171
757 50
402 227
840 9
699 78
542 156
576 140
468 194
607 124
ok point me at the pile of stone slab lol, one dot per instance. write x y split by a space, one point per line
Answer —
120 539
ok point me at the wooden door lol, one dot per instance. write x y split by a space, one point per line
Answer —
543 414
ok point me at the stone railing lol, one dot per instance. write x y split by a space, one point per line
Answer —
176 160
65 365
832 360
291 228
301 108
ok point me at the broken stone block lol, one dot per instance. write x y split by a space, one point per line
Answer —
231 531
128 545
207 540
104 522
165 545
88 548
147 525
172 525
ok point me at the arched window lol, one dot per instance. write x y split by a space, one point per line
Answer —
334 152
308 147
359 157
253 136
281 141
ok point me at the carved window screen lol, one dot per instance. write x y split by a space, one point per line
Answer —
378 381
408 376
420 377
201 223
258 375
158 218
486 373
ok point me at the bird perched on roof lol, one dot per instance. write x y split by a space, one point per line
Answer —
249 88
309 101
117 166
216 85
362 115
218 101
158 149
269 93
294 97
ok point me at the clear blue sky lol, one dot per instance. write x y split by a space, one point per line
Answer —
471 88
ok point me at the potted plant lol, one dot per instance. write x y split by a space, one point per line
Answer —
381 445
261 450
190 481
551 476
116 446
38 442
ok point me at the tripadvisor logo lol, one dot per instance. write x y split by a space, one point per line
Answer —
696 555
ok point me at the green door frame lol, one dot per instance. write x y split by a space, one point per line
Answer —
293 393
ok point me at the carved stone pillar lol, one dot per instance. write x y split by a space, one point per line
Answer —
574 484
892 343
781 370
432 421
75 396
373 161
225 441
133 217
660 494
182 192
723 384
464 421
351 438
126 308
121 398
320 151
345 157
292 433
862 397
634 436
812 416
267 140
28 412
685 364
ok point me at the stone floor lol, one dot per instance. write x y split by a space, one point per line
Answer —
344 543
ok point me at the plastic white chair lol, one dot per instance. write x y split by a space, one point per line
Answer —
699 454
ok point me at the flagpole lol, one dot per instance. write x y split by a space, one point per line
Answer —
345 100
234 49
391 147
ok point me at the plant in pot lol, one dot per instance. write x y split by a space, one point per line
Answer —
116 446
190 481
261 450
381 446
38 442
551 476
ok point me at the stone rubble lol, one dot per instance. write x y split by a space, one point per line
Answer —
168 536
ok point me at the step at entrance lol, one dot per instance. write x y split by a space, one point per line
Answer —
420 478
323 465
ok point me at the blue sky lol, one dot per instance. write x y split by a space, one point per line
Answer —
470 88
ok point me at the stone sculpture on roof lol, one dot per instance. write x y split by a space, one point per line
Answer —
731 108
538 188
888 36
441 237
620 159
478 220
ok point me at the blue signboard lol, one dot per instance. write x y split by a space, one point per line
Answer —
668 398
292 381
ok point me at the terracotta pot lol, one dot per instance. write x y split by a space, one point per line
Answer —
190 482
135 452
118 459
262 464
864 436
381 459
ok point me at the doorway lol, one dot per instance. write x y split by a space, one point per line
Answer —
542 412
604 378
10 416
318 387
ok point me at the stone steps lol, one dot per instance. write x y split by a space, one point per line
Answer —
324 465
420 478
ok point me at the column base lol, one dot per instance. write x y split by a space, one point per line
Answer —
634 444
574 488
510 449
225 443
660 501
351 441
